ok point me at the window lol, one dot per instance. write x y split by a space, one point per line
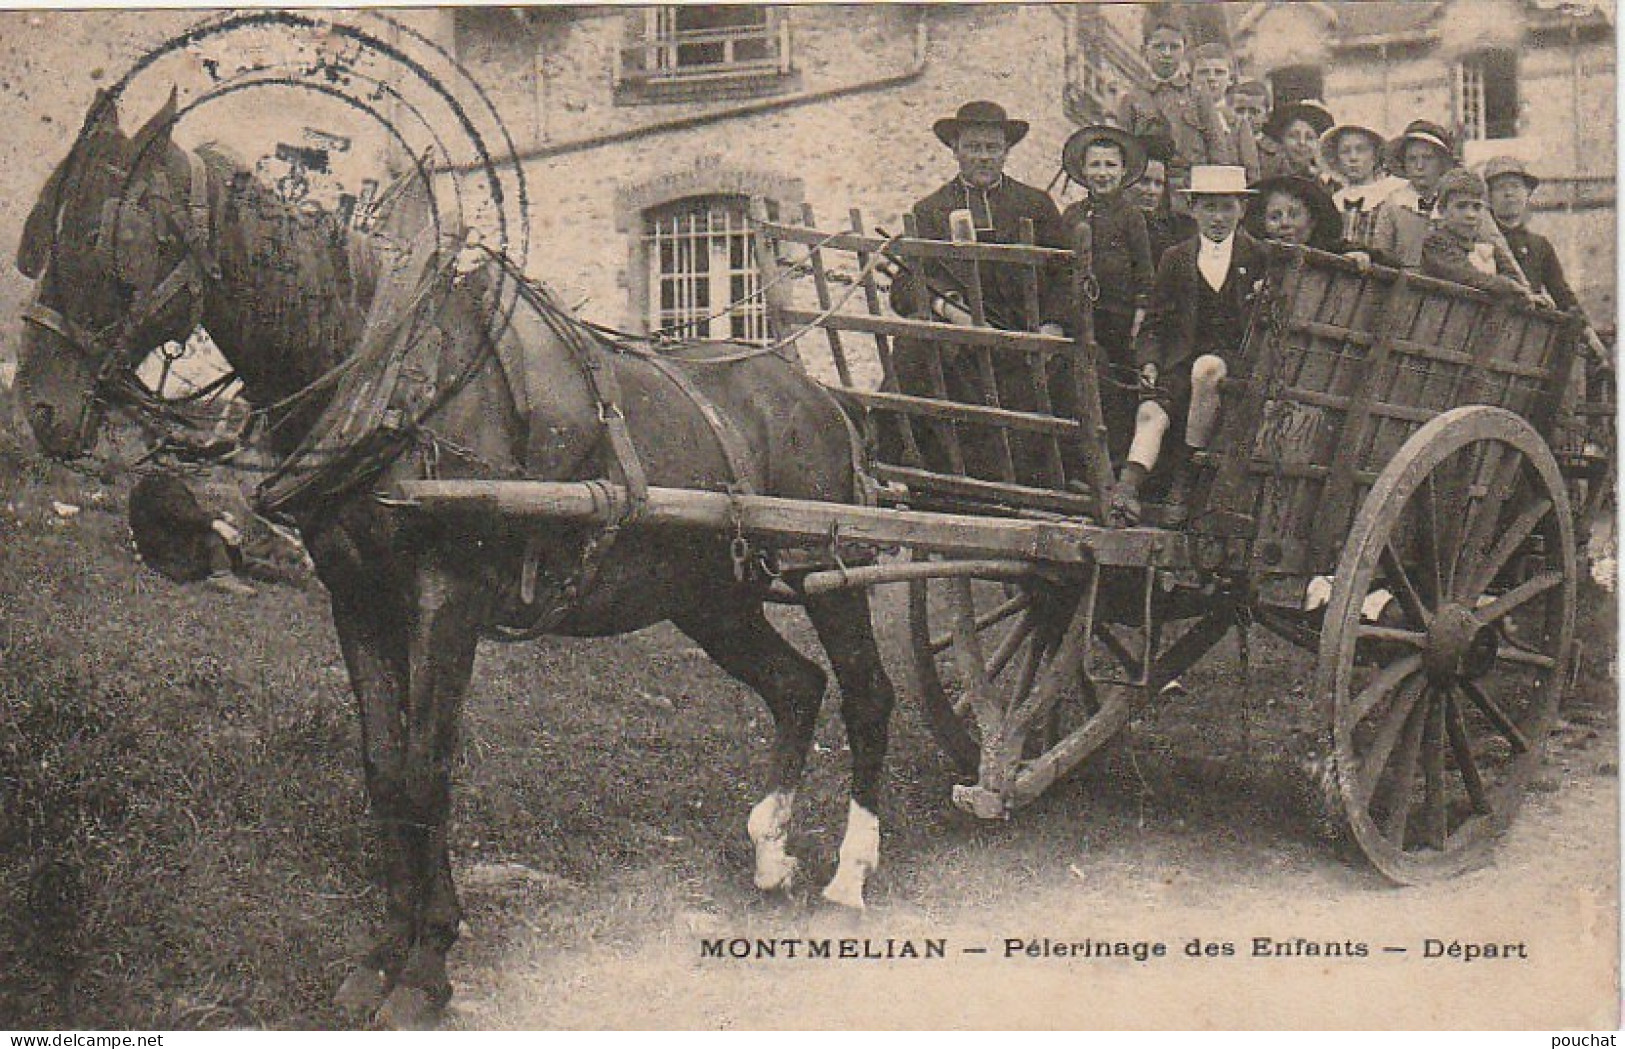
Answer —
1295 83
702 270
684 42
1487 95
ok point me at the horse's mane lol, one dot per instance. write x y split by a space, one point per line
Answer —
308 279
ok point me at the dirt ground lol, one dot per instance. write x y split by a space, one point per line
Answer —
184 841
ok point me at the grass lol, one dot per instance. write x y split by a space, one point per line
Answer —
183 841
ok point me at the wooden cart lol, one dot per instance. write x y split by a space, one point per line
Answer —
1381 494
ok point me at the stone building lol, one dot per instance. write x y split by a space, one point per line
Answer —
1529 78
643 131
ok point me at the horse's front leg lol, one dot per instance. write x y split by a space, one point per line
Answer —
374 647
441 647
847 634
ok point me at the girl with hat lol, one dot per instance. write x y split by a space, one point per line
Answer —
1355 153
1296 211
1423 153
1295 131
1105 161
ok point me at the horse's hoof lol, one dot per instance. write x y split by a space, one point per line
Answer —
845 892
409 1009
363 990
778 875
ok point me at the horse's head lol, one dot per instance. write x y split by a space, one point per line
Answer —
118 246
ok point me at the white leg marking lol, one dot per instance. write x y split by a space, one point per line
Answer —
860 854
768 827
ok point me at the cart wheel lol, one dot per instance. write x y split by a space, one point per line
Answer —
1016 627
1441 701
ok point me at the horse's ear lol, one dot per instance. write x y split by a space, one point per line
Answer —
101 125
154 134
37 231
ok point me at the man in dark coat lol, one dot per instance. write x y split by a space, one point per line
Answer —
984 205
1192 336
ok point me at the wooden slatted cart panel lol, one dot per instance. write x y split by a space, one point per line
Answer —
1340 368
957 415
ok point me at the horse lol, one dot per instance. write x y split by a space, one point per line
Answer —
135 239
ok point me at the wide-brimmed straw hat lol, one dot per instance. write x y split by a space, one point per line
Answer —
1496 167
1218 180
1420 131
1327 227
1333 137
1311 111
1072 154
979 112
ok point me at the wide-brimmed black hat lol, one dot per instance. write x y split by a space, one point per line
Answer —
1134 155
979 112
1326 227
1309 110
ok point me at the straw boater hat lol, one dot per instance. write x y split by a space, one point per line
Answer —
1311 111
1327 223
1218 180
1420 131
1134 155
1496 167
980 112
1333 138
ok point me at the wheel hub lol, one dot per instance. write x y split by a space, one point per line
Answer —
1459 645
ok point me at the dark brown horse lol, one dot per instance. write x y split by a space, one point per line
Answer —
134 239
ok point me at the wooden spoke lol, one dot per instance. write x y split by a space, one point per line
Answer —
1017 636
1462 748
1502 480
1498 717
1375 759
1386 680
1433 556
1519 596
1482 574
998 614
1525 657
1032 658
1404 777
1402 587
1434 816
1413 638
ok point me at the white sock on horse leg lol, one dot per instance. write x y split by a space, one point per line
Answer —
1206 374
769 827
860 855
1150 423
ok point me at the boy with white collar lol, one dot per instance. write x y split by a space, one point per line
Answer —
1192 336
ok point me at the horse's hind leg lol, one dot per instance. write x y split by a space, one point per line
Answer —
847 634
734 632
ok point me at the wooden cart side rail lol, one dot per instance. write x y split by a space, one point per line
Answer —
916 248
926 482
931 408
955 334
798 522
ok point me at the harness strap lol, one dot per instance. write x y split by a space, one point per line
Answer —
729 438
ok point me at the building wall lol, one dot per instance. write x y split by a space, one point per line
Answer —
868 148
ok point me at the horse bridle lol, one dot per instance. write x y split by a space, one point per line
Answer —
109 350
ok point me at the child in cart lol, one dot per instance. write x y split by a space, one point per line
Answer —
1453 249
1106 161
1192 335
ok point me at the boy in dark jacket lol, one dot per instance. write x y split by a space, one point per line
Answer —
1106 161
1193 332
1453 248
